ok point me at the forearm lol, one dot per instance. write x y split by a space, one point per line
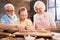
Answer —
6 26
50 27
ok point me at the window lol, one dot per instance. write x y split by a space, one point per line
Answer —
54 8
51 7
58 9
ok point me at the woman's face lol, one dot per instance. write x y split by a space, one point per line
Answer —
23 15
40 10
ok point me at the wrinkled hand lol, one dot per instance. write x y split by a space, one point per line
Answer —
13 28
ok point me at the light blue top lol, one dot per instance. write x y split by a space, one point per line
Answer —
7 19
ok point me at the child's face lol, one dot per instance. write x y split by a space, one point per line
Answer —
23 15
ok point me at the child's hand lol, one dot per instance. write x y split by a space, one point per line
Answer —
21 28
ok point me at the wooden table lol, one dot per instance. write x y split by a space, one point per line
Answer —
45 35
6 34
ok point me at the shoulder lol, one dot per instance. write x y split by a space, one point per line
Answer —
28 20
15 21
48 14
35 15
4 16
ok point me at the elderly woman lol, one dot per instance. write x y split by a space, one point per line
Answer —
42 19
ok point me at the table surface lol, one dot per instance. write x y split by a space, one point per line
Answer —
34 33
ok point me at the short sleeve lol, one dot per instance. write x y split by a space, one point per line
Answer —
30 22
2 20
30 25
14 22
52 21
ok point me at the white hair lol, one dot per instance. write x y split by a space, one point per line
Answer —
39 4
9 5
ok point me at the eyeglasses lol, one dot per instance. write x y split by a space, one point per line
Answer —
9 10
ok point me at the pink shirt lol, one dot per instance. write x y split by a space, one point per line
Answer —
44 20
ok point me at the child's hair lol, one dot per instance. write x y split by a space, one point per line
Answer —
21 9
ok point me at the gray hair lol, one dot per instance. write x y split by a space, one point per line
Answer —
9 5
39 4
